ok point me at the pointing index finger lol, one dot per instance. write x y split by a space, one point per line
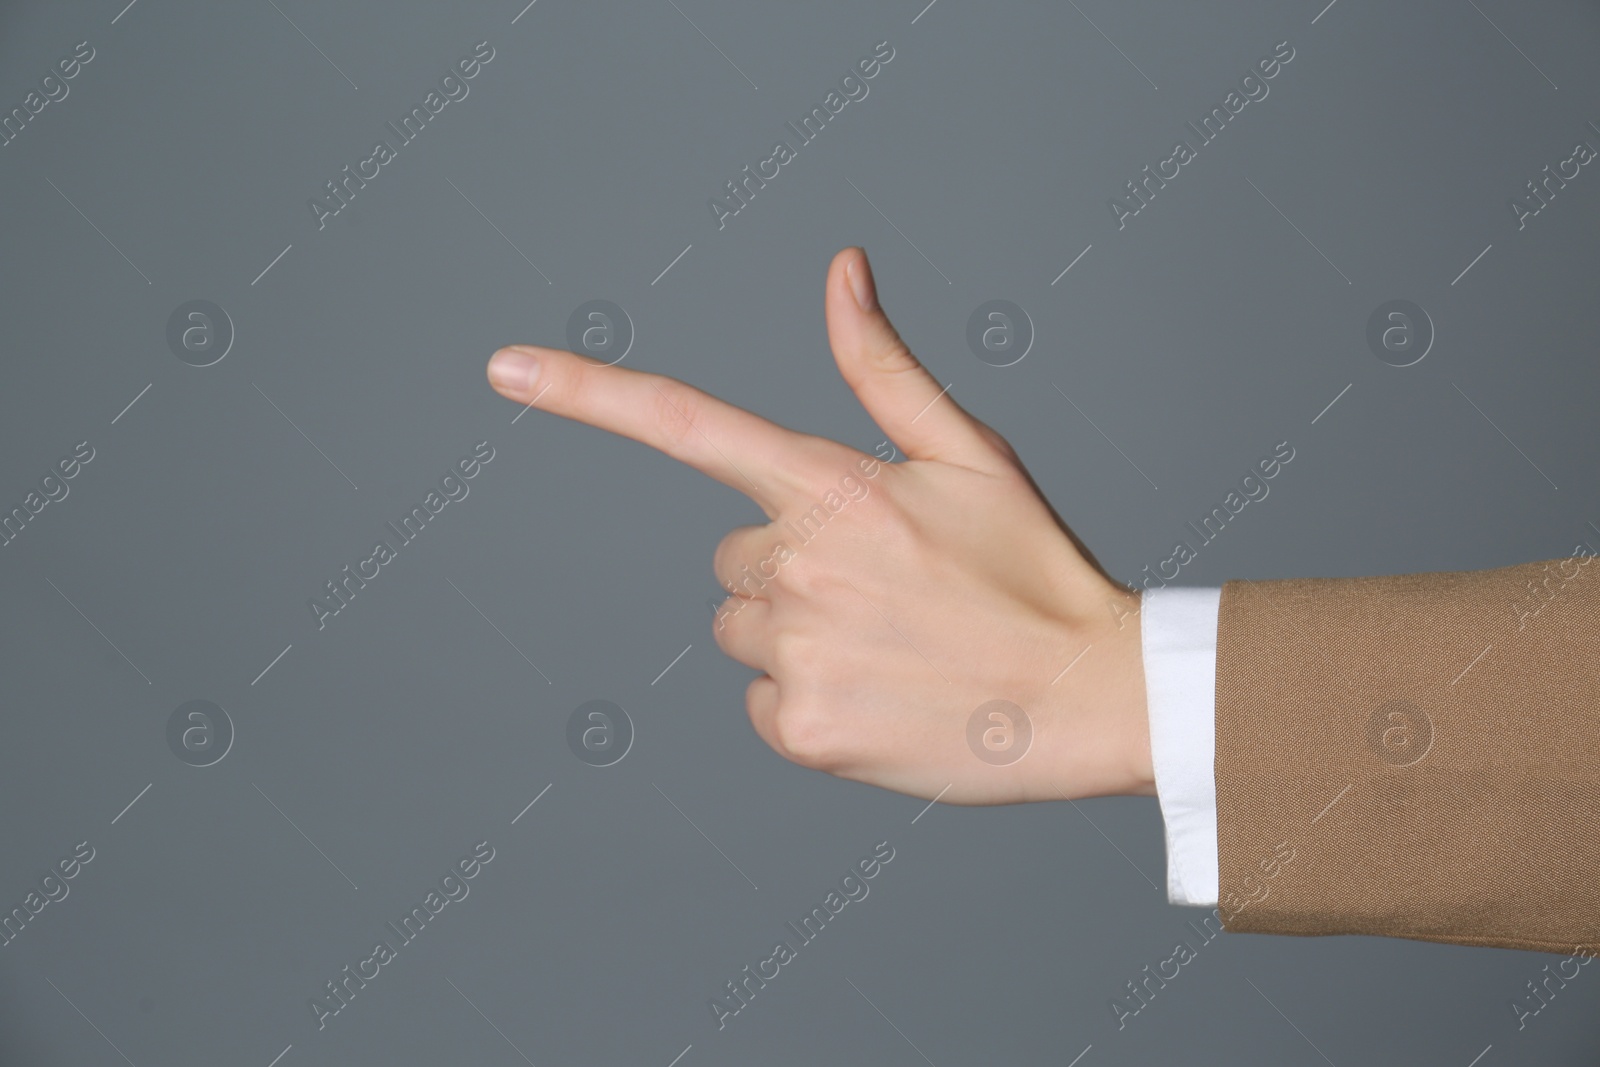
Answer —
742 450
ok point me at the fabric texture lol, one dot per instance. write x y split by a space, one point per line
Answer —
1413 756
1179 639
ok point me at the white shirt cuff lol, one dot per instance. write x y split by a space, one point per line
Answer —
1179 635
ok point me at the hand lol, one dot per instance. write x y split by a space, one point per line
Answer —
885 603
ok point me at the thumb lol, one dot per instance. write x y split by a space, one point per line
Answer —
905 400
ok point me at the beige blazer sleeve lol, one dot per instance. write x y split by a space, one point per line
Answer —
1413 756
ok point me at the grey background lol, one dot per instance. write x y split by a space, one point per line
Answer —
1196 338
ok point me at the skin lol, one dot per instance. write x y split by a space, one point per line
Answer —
947 583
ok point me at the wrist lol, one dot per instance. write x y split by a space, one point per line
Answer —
1096 739
1126 694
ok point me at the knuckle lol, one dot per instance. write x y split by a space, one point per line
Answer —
724 561
890 530
821 466
760 698
997 441
803 575
798 658
743 570
894 355
723 623
806 735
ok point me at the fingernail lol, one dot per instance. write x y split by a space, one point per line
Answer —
859 274
513 370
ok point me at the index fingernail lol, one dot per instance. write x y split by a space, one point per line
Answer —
513 370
